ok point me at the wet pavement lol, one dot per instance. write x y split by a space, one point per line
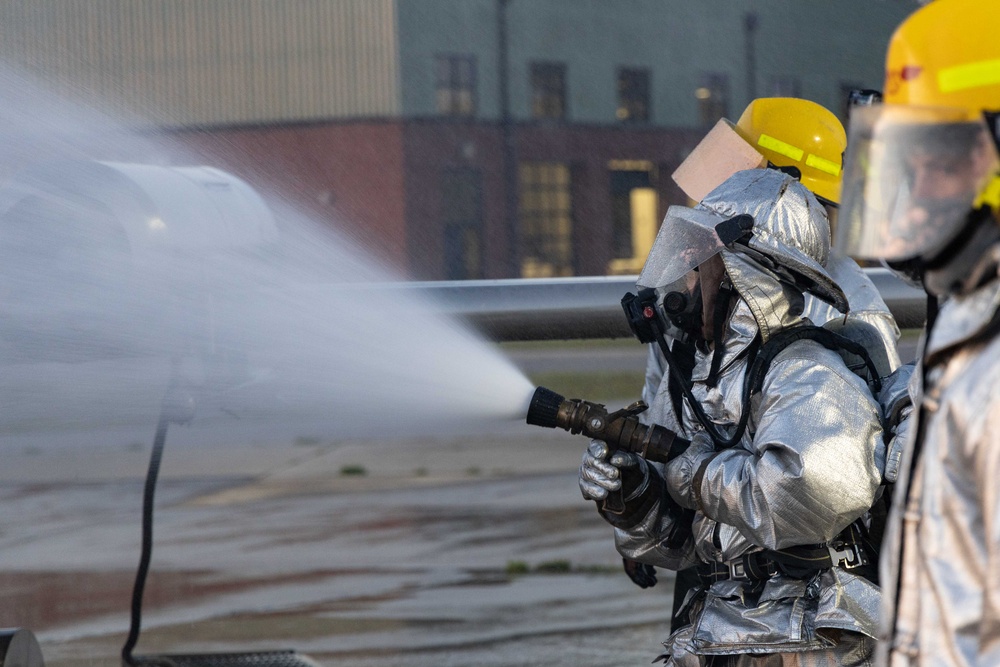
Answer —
424 551
464 551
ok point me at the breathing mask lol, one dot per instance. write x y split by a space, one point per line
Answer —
671 302
670 285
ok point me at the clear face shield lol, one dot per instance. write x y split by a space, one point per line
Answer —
911 177
688 239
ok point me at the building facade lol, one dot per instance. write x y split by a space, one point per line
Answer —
455 138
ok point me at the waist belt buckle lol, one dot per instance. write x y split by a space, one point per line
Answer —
738 569
847 556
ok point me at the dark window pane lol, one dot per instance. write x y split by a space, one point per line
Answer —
461 211
633 95
713 98
785 86
548 90
456 85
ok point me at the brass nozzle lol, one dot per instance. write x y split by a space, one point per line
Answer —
621 430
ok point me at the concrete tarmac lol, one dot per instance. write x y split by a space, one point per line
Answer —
457 552
425 552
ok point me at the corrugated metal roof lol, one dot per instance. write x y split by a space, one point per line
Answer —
205 62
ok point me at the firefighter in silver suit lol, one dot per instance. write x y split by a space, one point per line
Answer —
769 499
925 200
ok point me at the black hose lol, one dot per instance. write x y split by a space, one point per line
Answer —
147 537
720 439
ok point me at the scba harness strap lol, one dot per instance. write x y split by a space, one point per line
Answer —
850 549
831 340
760 358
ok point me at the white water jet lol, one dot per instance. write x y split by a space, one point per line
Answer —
284 329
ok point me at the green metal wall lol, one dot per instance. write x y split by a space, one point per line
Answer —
823 44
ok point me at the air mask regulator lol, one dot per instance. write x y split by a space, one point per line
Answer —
651 322
679 312
640 311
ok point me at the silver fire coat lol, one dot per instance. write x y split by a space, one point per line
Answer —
866 305
943 538
805 469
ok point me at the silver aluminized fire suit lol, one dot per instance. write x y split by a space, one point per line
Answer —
945 547
866 305
807 467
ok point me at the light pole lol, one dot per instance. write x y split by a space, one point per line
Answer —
749 28
510 180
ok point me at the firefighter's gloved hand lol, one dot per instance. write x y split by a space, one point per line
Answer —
895 395
897 408
894 450
601 473
642 575
681 472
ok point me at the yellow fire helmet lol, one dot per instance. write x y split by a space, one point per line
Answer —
946 54
792 132
918 164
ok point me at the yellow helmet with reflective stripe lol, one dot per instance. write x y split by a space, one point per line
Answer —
923 170
947 54
792 132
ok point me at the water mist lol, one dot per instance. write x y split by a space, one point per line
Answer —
276 328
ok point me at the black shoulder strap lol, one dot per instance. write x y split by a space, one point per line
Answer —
754 380
761 360
684 355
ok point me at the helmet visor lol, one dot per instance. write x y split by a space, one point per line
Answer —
911 176
687 238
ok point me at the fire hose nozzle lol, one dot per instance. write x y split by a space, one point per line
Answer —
621 430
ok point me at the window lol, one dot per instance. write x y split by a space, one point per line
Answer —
546 220
633 95
713 98
634 220
785 86
456 85
461 210
548 90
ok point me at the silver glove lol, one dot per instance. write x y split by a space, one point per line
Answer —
894 451
895 395
897 408
601 474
